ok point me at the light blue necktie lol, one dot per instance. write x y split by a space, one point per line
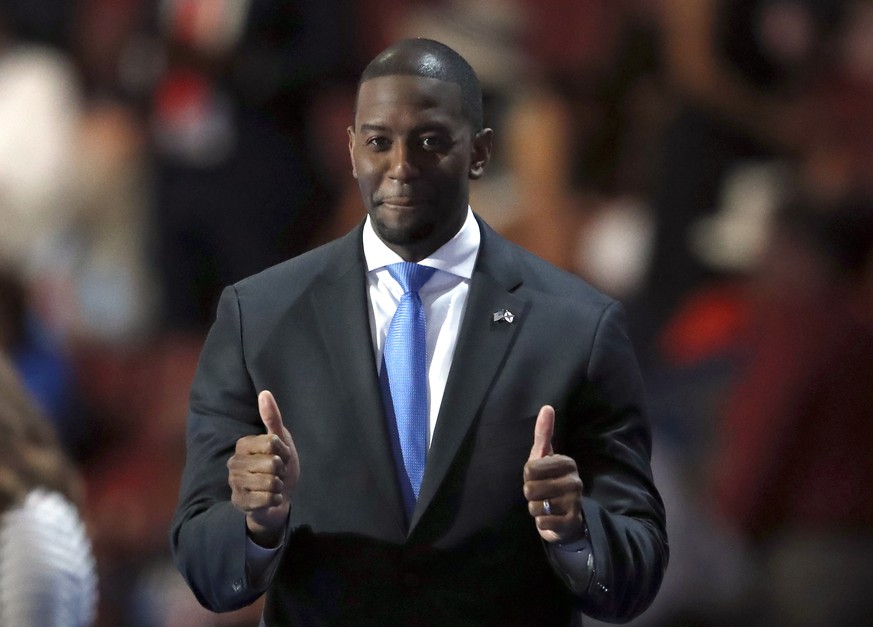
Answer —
405 362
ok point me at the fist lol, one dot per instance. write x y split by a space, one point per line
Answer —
262 474
552 486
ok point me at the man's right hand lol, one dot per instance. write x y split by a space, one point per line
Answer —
262 473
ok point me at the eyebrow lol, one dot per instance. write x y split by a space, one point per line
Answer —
424 128
373 127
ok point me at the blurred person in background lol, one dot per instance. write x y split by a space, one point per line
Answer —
47 571
765 369
791 459
581 143
236 183
41 361
837 145
740 71
40 112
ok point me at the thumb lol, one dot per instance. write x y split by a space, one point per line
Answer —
270 415
545 427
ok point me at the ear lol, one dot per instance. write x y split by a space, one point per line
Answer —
481 153
351 132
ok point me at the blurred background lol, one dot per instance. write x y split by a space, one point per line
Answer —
707 162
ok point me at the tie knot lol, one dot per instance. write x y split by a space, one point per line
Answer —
411 276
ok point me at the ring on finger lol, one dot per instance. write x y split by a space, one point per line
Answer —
547 507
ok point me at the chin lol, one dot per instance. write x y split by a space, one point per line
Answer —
400 230
403 234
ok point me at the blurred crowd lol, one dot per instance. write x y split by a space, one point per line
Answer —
707 162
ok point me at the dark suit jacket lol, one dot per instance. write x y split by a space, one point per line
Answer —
471 554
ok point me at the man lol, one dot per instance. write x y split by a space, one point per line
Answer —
536 499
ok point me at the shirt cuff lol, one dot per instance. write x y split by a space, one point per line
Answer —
574 563
261 563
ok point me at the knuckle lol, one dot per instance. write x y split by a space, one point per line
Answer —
278 465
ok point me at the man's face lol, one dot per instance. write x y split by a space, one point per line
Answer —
413 153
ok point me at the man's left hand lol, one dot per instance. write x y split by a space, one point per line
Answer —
552 486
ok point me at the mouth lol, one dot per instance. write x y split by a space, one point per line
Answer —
402 202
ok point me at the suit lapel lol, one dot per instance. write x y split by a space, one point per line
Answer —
479 353
342 310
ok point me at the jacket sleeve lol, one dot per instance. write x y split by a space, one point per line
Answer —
609 436
208 535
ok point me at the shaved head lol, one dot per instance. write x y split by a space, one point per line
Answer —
431 59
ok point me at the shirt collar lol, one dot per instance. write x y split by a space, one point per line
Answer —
457 256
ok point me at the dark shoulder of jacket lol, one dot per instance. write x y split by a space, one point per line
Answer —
284 283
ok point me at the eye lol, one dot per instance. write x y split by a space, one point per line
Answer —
378 143
435 143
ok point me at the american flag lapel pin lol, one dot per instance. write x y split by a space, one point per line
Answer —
504 315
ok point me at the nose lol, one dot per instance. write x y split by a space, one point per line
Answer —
402 166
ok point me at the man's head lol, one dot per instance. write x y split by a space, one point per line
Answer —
431 59
416 143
